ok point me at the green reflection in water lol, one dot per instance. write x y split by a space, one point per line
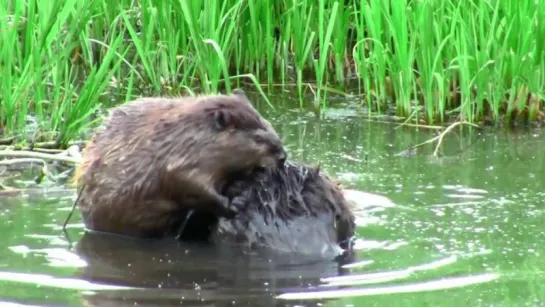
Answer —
478 210
481 202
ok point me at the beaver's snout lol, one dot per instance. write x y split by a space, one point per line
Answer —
282 156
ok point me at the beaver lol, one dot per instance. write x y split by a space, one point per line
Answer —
294 208
153 157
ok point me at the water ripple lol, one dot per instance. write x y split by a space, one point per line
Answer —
57 282
433 285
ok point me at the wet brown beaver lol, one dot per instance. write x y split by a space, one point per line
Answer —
294 208
156 156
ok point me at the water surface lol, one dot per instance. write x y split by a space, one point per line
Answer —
462 229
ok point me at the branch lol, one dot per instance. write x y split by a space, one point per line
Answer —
9 162
39 155
442 134
7 141
438 138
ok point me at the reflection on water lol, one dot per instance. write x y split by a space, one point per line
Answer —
462 229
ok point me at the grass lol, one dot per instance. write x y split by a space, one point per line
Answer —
62 61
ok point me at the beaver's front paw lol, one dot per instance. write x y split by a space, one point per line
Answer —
225 209
238 203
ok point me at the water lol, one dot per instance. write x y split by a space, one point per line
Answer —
463 229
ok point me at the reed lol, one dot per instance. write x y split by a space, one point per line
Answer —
62 61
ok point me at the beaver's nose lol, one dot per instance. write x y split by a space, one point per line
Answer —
282 157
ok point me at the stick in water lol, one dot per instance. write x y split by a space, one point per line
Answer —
73 208
182 227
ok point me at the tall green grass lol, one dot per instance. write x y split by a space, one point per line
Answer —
61 61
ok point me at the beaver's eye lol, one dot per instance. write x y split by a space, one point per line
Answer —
259 139
222 119
274 150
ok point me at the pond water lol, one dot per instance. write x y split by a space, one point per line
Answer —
461 229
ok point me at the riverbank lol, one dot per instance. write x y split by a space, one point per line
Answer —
64 62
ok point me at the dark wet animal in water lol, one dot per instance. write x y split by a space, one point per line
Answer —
294 208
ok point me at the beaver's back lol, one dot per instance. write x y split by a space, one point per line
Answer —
139 122
153 126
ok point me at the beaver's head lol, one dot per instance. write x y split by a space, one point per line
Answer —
246 142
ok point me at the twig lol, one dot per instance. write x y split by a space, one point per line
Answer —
45 172
73 208
66 234
55 145
406 125
47 150
47 147
38 155
7 141
184 224
442 134
20 161
26 192
407 120
439 138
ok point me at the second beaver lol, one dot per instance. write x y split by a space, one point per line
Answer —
295 208
156 156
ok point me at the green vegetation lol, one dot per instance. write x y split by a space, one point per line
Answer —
62 61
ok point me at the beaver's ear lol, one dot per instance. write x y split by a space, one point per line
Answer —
239 92
241 96
221 119
317 169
